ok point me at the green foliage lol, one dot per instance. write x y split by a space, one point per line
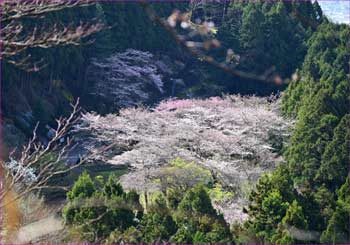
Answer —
218 194
268 191
338 229
198 220
103 212
158 224
252 36
129 236
311 191
267 209
263 35
196 200
183 175
335 159
325 66
274 206
294 218
318 152
83 188
112 188
174 197
99 212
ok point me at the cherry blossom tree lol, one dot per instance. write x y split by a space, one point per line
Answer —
128 78
229 136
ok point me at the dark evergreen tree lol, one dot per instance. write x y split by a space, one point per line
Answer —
338 229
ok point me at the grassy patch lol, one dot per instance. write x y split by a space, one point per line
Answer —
105 174
218 194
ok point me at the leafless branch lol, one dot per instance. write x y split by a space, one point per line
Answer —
16 37
19 9
38 163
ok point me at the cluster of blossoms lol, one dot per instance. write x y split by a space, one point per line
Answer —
28 173
229 136
128 78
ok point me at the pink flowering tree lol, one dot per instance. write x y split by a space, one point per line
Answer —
128 78
229 136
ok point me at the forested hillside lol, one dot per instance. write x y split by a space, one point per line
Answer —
31 96
65 72
190 122
316 177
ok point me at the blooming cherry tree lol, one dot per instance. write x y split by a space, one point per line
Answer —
128 78
229 136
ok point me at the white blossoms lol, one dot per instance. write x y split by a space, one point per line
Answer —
27 173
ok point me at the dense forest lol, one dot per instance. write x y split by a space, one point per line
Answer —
193 122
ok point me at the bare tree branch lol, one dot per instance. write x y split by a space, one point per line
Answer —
38 163
12 10
16 38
